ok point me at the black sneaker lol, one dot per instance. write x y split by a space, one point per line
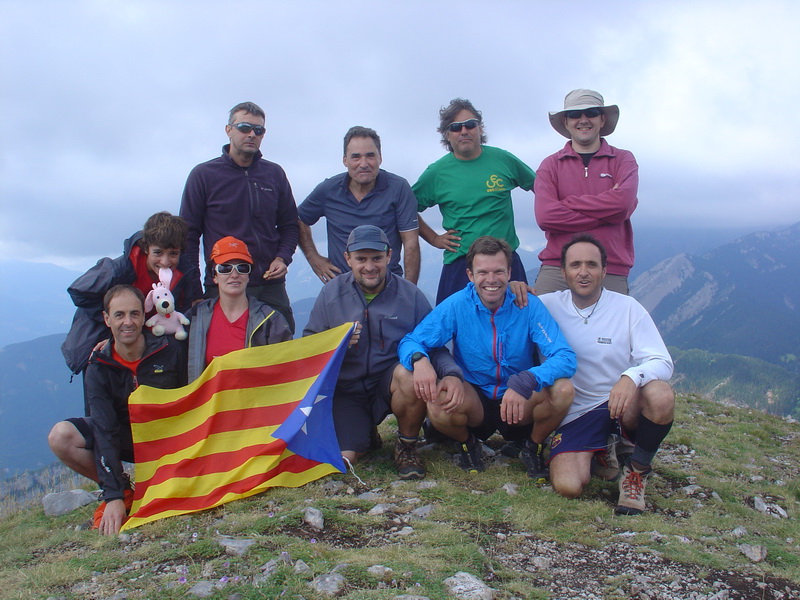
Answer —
407 461
433 435
532 456
512 449
471 457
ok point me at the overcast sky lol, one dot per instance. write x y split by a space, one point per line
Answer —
106 105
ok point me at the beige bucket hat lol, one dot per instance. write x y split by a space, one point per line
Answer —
580 100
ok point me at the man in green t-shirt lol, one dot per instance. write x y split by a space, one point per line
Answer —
472 186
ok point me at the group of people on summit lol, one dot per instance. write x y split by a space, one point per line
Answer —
572 372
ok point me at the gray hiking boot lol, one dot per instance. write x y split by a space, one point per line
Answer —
407 461
631 491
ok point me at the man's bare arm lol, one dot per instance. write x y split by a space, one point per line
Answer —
444 241
321 265
411 257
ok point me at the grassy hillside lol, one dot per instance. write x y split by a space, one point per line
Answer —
719 464
743 380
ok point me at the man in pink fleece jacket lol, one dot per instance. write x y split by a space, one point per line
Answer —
586 187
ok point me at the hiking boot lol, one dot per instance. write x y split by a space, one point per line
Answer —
605 464
624 449
532 456
631 490
471 455
375 441
407 461
512 449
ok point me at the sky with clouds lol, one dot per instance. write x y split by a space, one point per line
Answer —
107 105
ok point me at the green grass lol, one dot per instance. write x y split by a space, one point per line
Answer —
736 453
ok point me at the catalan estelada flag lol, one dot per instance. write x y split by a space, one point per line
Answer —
255 419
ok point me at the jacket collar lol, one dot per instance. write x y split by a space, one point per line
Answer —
472 293
152 343
226 155
604 150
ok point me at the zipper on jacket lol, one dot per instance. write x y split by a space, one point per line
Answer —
369 337
496 355
380 330
586 171
252 333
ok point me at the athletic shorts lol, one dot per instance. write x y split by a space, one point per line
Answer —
355 415
587 433
454 276
84 427
492 422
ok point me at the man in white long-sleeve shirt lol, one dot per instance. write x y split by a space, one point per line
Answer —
621 384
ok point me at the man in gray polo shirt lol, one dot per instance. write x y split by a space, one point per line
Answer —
363 195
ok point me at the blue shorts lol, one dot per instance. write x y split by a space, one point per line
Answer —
492 422
587 433
454 276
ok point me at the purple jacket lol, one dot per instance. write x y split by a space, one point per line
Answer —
254 204
571 199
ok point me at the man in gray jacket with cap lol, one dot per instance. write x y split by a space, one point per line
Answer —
586 187
372 383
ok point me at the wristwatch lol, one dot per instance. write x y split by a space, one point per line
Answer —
416 356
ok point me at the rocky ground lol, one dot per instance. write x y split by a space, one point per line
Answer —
616 570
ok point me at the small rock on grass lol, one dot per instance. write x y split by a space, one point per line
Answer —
234 546
754 553
61 503
329 584
314 518
380 571
465 586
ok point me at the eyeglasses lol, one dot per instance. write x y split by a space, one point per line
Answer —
259 130
227 268
590 113
456 126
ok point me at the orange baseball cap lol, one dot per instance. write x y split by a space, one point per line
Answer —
230 248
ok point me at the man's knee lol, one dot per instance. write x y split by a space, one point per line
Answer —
561 394
567 484
64 436
567 487
659 400
570 472
402 382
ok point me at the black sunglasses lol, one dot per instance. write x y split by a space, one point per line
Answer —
590 113
226 268
248 127
456 126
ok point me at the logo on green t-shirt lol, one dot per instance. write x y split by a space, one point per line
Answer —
495 184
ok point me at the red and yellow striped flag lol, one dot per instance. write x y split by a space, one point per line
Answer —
255 419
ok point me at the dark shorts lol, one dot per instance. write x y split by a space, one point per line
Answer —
454 276
587 433
492 422
84 427
355 415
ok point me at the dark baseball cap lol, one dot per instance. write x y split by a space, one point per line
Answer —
367 237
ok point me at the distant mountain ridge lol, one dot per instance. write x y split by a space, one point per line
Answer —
740 298
35 393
